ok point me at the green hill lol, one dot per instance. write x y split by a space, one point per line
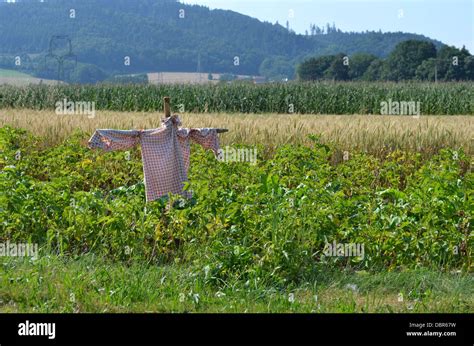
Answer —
164 35
13 74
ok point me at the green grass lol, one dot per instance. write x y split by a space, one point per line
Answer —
13 74
91 284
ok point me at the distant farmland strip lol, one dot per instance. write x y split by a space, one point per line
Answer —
304 98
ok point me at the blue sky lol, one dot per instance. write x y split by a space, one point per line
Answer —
450 21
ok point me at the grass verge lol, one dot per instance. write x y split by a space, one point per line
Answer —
91 284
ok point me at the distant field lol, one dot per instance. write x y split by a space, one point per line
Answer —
192 78
13 74
15 78
182 78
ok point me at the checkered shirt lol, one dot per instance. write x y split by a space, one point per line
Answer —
165 153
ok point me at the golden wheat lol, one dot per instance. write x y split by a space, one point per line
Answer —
370 133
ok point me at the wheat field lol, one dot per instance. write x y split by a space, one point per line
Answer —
370 133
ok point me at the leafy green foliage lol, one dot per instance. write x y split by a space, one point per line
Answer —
402 63
314 68
87 74
359 63
409 60
277 68
267 222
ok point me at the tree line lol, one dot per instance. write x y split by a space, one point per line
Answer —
409 60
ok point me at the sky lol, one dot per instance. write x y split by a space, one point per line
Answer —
449 21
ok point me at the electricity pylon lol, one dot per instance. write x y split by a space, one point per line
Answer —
61 58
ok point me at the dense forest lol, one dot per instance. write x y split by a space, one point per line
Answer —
410 60
110 37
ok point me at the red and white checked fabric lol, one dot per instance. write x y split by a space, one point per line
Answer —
165 153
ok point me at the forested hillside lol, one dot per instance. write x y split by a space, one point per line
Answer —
165 35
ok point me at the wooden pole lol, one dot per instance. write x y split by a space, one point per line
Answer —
166 106
167 110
